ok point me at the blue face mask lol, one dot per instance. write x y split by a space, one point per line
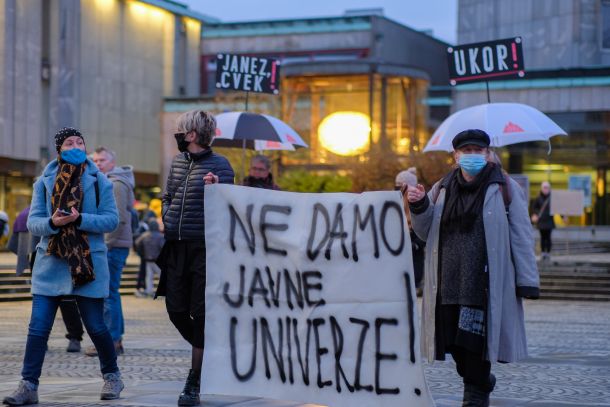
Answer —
472 163
75 156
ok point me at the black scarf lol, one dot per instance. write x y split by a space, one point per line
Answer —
464 200
71 243
256 182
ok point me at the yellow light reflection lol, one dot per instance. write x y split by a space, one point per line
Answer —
193 25
147 12
600 187
139 8
345 133
104 4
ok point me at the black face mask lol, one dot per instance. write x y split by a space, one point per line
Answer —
182 143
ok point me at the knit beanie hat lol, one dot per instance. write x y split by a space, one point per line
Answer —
63 134
408 177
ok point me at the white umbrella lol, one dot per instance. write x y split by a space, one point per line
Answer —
255 131
506 123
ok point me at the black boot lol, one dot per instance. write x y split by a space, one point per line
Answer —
190 394
478 396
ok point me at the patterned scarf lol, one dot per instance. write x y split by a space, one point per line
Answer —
71 244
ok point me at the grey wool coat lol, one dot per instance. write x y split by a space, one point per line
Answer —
513 272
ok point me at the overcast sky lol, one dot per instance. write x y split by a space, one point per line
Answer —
437 15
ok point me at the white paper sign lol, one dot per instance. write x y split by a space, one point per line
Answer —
310 297
565 202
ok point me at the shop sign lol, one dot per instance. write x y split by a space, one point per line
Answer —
486 61
247 73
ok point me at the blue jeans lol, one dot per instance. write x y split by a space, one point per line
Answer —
113 311
44 309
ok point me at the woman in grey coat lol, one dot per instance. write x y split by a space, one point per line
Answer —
480 263
72 207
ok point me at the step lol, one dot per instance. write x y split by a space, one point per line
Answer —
14 288
575 285
571 290
16 297
573 296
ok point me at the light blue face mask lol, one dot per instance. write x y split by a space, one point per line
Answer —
75 156
472 163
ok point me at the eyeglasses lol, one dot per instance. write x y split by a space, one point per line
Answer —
258 169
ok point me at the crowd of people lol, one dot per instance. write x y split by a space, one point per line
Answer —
81 224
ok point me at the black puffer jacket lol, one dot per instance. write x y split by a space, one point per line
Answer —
183 199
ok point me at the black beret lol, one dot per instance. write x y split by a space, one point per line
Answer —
473 136
63 134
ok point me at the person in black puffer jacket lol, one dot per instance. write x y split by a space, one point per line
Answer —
182 259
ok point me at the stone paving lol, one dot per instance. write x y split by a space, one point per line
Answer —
569 361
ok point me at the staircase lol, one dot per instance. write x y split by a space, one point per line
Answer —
13 288
585 282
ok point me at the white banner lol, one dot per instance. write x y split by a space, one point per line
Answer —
311 298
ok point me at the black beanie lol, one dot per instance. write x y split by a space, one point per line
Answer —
63 134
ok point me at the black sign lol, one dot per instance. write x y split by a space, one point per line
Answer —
247 73
485 61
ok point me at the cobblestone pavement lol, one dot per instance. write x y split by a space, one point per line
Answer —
569 362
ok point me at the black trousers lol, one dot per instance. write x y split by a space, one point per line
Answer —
185 289
545 240
71 317
472 368
141 274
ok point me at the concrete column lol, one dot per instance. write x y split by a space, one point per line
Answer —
7 116
68 92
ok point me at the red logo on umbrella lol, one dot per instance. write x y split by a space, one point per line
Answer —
290 138
435 140
218 132
273 144
512 128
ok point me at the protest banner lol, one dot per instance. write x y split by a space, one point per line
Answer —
311 298
247 73
486 61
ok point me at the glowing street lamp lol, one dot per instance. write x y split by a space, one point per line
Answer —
345 133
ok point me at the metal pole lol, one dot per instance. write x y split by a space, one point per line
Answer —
243 147
488 97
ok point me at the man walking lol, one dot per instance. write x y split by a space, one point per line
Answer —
118 242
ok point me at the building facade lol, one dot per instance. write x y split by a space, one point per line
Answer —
566 48
103 66
361 69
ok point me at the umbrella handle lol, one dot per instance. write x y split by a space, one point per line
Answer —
549 150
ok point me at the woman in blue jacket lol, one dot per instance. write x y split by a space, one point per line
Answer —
72 207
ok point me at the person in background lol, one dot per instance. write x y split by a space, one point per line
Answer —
480 263
260 174
70 261
118 242
542 218
418 246
149 246
4 227
182 260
